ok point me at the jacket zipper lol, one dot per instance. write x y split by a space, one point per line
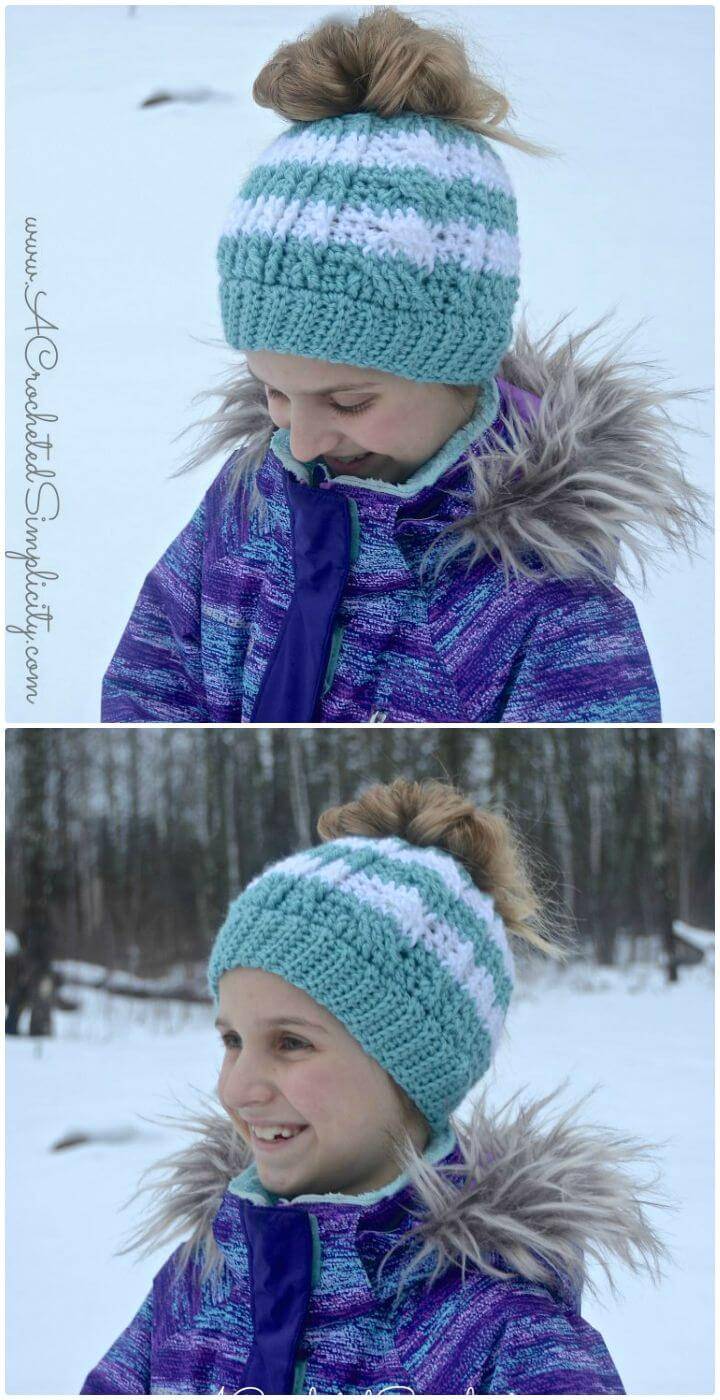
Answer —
338 631
298 1381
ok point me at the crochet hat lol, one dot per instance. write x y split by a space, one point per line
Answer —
382 241
398 943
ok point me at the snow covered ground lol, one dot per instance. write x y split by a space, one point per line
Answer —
647 1046
129 203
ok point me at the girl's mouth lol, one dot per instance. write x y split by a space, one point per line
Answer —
339 464
277 1144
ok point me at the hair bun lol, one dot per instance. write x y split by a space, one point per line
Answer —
386 63
437 814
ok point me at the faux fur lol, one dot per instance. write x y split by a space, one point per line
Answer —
594 482
534 1198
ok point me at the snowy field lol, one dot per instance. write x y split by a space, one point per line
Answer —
647 1046
129 203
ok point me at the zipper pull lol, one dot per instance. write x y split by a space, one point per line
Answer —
319 475
378 717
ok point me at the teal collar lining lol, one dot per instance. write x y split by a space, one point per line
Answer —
248 1185
485 414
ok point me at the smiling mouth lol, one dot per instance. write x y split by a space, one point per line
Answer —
275 1144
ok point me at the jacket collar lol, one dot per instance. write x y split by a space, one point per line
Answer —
354 1234
248 1185
316 473
516 1197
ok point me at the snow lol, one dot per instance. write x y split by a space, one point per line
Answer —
117 1064
129 203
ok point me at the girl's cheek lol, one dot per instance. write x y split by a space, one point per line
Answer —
319 1094
388 425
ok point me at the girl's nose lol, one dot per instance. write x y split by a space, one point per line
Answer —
246 1085
311 434
306 447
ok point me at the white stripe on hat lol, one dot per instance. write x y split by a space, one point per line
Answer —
384 232
453 878
393 150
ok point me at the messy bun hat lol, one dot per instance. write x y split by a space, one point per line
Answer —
395 939
383 239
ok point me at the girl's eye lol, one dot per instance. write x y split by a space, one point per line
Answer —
338 408
231 1041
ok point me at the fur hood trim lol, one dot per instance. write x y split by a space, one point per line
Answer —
592 482
528 1198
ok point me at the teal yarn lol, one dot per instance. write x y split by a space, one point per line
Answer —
398 943
387 242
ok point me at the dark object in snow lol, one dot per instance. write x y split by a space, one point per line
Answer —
104 1135
188 95
70 1140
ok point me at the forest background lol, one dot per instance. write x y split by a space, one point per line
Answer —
125 846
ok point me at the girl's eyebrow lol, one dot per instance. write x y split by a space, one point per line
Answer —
316 393
276 1021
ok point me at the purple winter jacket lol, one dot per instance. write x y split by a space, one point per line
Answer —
478 591
464 1274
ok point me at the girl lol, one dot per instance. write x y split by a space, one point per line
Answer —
345 1232
415 522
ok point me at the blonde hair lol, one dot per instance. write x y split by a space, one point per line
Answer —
437 814
386 63
383 62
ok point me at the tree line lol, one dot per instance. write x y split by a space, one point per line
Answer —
125 846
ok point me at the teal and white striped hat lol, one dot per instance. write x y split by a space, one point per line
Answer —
388 242
398 943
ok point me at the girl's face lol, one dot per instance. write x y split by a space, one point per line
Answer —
343 411
276 1071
